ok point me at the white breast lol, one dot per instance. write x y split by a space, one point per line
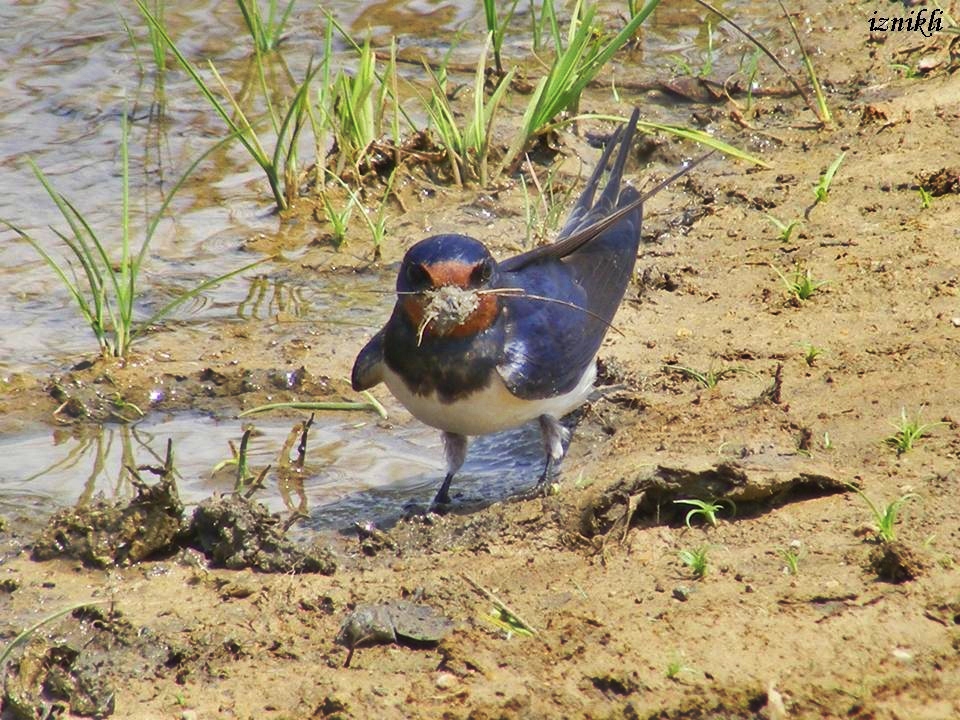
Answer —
489 410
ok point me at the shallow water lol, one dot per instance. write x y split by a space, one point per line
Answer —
355 471
70 73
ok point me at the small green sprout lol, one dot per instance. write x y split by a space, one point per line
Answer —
908 71
675 667
908 431
785 229
791 558
707 510
823 186
696 560
707 379
810 353
800 285
926 198
886 518
339 218
378 223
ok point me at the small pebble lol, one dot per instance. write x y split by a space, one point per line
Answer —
445 680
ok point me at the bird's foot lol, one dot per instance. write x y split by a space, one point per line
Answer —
546 486
441 501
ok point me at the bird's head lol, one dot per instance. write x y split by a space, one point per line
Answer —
444 286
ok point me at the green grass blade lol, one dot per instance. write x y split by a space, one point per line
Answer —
187 66
704 139
277 29
490 15
521 138
247 135
105 270
125 286
372 405
294 115
686 133
832 170
820 110
250 19
95 265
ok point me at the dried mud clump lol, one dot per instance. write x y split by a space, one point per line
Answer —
236 533
232 531
749 487
102 534
78 673
944 181
895 562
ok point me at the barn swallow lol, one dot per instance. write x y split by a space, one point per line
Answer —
475 346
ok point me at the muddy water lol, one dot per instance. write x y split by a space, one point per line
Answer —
70 73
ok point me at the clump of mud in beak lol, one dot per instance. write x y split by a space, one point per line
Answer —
447 307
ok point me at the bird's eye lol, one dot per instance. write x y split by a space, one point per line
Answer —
417 275
482 272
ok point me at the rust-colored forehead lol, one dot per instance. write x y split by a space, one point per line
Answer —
449 272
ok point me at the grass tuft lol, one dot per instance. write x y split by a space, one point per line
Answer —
885 517
800 284
791 558
279 166
822 188
107 289
696 560
708 378
784 228
576 63
468 150
908 432
708 510
810 353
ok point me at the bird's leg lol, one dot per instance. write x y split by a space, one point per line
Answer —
555 436
455 450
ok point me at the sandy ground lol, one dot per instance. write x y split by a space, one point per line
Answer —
622 626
